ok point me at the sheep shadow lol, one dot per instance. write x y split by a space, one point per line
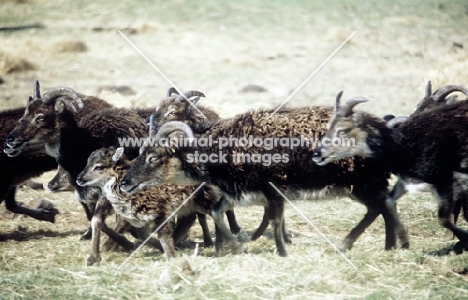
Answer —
22 234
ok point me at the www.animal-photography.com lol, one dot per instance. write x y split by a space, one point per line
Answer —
233 149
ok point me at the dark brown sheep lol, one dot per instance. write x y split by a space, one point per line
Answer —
431 147
364 180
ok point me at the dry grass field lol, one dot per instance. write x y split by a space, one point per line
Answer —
220 47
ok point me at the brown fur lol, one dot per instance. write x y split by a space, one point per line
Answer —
363 180
16 170
155 203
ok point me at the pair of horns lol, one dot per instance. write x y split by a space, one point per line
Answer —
185 96
442 93
66 95
347 109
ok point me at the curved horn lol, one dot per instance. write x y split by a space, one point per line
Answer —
395 121
152 126
388 117
443 92
189 94
170 91
428 89
174 126
337 101
347 109
451 99
58 92
67 103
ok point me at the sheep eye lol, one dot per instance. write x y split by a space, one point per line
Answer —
153 159
98 168
40 118
172 112
343 132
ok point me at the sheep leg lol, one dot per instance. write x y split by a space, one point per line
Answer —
231 217
89 215
142 234
14 207
166 239
261 229
399 189
276 216
444 195
368 219
96 225
121 227
207 241
118 238
223 234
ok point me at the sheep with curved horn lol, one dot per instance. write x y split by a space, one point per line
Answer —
361 179
429 148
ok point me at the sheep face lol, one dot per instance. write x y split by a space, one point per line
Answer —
39 124
346 135
60 182
155 166
100 167
439 97
36 127
177 108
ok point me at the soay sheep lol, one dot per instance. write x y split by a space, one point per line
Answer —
107 166
34 162
364 180
50 122
431 147
431 101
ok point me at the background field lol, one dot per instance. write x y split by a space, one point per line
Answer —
219 48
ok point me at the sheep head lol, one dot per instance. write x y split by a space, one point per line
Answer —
346 134
103 165
38 125
60 182
177 107
160 161
439 97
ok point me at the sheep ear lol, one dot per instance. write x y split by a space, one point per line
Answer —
118 154
59 106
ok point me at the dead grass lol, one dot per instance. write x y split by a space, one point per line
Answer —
69 47
219 48
10 63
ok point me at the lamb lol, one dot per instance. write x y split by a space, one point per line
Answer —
107 166
431 147
365 180
61 182
34 162
50 121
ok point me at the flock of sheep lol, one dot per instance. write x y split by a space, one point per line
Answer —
156 186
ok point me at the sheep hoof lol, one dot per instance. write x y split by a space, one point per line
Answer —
86 236
345 246
208 243
283 253
91 260
235 229
458 248
238 248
